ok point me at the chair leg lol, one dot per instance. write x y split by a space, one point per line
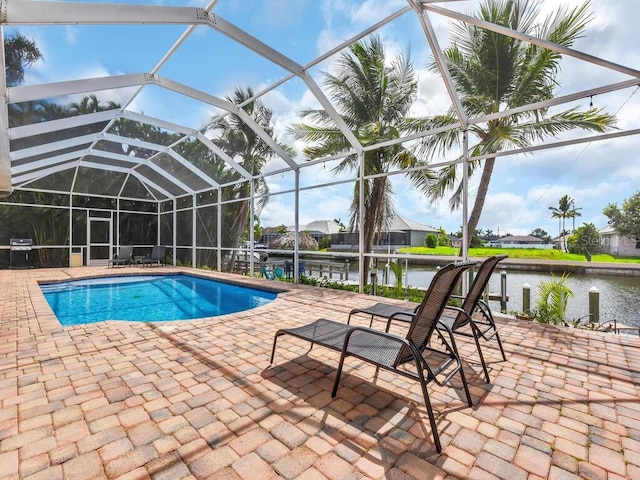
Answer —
504 357
476 338
427 404
492 323
453 348
275 339
334 392
273 349
463 377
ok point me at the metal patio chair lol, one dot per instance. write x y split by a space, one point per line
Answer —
473 319
123 257
157 256
391 352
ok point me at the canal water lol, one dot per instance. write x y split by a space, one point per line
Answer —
619 295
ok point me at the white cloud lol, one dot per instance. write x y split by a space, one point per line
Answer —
316 204
372 11
71 34
344 19
280 14
432 97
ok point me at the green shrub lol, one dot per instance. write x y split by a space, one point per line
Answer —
587 238
431 241
553 295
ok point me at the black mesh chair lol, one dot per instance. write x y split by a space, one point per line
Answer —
391 352
473 318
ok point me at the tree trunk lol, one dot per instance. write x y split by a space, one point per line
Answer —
237 229
481 196
372 213
559 233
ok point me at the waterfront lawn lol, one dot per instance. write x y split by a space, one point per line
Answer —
528 253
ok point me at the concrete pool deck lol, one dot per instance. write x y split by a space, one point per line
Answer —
197 399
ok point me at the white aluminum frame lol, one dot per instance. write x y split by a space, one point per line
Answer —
32 12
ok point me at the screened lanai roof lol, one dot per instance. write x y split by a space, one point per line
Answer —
171 66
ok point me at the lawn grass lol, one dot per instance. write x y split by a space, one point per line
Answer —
527 253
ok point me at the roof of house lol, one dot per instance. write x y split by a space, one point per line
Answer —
521 238
398 224
323 226
326 227
562 238
402 224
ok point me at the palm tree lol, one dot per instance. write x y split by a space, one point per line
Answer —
373 98
572 214
239 141
494 72
90 104
563 211
19 52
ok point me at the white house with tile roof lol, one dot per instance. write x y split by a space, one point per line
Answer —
522 241
612 243
402 232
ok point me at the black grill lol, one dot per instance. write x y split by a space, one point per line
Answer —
20 252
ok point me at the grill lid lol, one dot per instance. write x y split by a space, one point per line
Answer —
20 243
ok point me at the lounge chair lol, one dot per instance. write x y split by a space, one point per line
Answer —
474 318
157 256
123 257
389 351
472 303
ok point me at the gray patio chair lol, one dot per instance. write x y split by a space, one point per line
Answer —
391 352
473 318
123 257
157 256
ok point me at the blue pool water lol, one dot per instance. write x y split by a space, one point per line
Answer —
148 298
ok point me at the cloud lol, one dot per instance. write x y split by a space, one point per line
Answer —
432 98
326 203
343 19
280 14
71 34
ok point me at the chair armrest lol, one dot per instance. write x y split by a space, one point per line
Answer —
459 310
399 316
484 309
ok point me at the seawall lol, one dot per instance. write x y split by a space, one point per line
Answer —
535 265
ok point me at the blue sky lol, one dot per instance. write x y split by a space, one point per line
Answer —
522 187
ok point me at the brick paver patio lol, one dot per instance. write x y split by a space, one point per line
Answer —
197 399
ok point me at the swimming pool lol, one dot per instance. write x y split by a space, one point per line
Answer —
148 298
